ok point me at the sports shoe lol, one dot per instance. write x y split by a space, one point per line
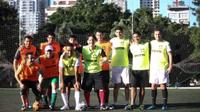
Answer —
129 107
24 108
113 106
51 107
164 107
102 107
141 107
151 107
65 107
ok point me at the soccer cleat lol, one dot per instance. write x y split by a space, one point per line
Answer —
24 108
65 107
141 107
113 106
151 107
129 107
103 107
164 107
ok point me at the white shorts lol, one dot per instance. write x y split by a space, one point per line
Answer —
158 77
120 74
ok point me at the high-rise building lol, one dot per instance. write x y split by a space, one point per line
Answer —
121 3
31 15
154 5
179 12
58 4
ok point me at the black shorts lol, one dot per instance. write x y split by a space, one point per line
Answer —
106 77
30 84
92 79
140 78
69 80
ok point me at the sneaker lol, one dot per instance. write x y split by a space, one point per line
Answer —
129 107
151 107
65 107
24 108
141 107
113 106
103 107
51 107
164 107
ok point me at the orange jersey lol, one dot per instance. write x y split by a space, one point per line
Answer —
22 51
55 45
50 66
106 46
29 72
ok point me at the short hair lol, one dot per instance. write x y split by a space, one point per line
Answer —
119 28
51 34
73 36
91 35
157 29
136 32
28 37
69 44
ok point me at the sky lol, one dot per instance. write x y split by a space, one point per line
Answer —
134 4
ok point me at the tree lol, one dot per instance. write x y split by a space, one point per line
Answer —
88 16
8 15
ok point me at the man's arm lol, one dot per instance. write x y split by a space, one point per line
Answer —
170 62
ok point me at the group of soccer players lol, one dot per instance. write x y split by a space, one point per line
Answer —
57 67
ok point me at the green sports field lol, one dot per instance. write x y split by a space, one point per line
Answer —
180 100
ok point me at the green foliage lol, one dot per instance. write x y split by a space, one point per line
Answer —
88 16
8 15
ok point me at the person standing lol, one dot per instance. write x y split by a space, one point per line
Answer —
120 64
28 74
106 46
140 65
50 41
49 61
160 67
68 73
92 70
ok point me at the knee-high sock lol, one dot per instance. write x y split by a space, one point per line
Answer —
87 97
64 97
77 97
102 96
53 98
165 96
154 95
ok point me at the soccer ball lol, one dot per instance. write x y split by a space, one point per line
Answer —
36 106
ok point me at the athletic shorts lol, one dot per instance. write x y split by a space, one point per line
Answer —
158 77
69 80
139 78
106 77
30 84
47 82
92 80
120 74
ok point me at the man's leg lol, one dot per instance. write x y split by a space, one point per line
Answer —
164 95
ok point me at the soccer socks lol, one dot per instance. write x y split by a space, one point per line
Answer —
53 98
77 97
102 97
64 98
165 96
154 95
87 97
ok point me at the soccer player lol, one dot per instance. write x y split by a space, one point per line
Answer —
92 70
106 46
49 61
120 64
140 65
68 73
50 41
160 67
24 48
27 75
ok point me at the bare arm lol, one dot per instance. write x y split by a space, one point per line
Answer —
170 62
